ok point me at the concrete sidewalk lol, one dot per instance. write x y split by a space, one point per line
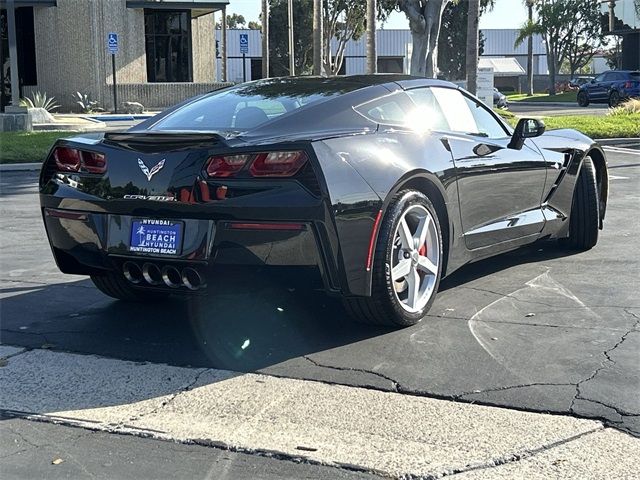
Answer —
392 434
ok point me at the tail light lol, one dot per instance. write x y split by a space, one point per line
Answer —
73 160
277 164
265 164
628 84
226 166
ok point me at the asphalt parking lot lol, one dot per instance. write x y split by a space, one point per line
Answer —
537 330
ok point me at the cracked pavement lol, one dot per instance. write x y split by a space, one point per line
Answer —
539 329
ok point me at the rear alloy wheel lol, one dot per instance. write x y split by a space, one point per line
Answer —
115 285
407 265
614 99
583 99
584 220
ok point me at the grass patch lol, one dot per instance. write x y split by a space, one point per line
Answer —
569 97
610 126
27 147
623 126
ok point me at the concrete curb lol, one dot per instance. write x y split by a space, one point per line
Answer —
555 104
20 167
618 141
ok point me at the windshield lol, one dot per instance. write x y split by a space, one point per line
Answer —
249 105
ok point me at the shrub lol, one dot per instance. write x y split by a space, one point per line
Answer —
86 104
627 107
40 100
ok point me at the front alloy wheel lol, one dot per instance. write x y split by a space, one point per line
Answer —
407 264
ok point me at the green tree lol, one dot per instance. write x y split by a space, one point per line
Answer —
343 20
452 53
571 30
254 25
233 21
279 40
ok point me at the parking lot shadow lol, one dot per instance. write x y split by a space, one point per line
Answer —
250 319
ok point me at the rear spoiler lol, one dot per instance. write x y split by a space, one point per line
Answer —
172 140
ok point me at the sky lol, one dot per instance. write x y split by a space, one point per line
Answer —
506 14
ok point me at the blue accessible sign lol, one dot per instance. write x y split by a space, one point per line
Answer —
112 42
244 43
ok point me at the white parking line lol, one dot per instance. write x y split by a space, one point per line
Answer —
628 151
388 433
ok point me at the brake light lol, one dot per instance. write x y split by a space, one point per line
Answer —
73 160
67 159
226 165
277 164
94 162
628 84
265 164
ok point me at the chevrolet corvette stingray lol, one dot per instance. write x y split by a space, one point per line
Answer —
384 183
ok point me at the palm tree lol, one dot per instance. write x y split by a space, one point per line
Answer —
527 31
371 37
472 45
529 4
317 37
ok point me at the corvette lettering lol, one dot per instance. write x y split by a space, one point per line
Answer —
153 198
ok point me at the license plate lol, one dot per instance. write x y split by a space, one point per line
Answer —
159 237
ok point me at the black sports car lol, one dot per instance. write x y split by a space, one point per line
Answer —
384 183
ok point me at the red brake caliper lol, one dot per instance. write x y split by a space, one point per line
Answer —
422 251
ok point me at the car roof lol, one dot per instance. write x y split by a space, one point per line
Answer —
353 82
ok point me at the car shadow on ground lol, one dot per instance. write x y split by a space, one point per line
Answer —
535 253
251 318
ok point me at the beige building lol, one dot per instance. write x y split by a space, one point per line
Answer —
166 49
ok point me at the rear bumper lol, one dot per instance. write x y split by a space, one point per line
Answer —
89 243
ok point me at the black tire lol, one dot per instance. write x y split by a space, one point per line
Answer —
614 99
584 220
383 306
115 285
583 99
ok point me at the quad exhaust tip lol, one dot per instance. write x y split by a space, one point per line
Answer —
167 275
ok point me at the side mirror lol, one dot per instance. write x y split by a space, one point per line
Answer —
593 80
526 128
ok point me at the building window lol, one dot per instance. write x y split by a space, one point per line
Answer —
390 64
168 45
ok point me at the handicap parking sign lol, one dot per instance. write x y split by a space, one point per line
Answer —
244 43
112 42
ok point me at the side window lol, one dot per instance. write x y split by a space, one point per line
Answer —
465 115
428 111
389 110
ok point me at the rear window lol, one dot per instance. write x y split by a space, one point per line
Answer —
249 105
